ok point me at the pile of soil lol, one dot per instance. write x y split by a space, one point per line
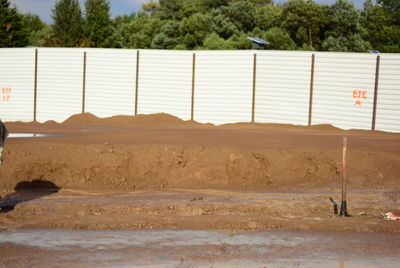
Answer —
124 120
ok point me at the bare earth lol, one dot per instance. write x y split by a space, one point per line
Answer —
159 172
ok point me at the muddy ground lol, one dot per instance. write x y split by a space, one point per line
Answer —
159 172
191 248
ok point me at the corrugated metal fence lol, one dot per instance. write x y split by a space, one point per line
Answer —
347 90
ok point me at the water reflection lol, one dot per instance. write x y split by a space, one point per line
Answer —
29 135
189 248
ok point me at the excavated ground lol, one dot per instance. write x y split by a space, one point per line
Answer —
159 172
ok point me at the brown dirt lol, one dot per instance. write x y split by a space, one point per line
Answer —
163 155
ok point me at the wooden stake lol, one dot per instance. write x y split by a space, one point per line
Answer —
343 209
344 169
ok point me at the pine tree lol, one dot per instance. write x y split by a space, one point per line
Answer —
97 27
68 22
13 32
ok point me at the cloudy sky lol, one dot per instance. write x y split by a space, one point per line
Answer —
118 7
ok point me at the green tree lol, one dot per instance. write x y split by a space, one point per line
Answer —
43 38
13 32
97 27
194 30
260 3
269 16
221 23
346 31
380 28
367 6
137 32
150 7
168 37
68 23
353 43
121 19
239 41
212 4
190 7
169 9
33 22
277 37
34 26
392 5
214 42
243 14
306 21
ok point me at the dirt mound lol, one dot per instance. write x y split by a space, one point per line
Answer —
327 127
85 118
143 119
50 123
323 127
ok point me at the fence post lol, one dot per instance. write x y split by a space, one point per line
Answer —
84 83
253 104
310 102
378 63
35 86
193 85
137 82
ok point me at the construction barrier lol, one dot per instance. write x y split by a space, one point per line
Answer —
346 90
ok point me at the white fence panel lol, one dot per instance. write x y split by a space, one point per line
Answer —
344 90
343 86
165 82
17 77
110 82
60 82
388 102
224 86
283 87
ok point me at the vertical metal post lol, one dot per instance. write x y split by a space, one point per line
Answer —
84 83
253 105
137 82
35 86
310 102
193 84
378 62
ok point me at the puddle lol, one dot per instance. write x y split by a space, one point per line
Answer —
188 248
29 135
61 239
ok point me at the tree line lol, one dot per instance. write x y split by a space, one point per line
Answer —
210 24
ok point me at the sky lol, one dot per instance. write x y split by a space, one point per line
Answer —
118 7
43 7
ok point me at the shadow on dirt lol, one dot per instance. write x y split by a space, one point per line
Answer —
27 191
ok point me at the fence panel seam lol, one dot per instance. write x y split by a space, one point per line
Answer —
310 102
193 85
35 86
253 105
84 83
137 81
378 61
